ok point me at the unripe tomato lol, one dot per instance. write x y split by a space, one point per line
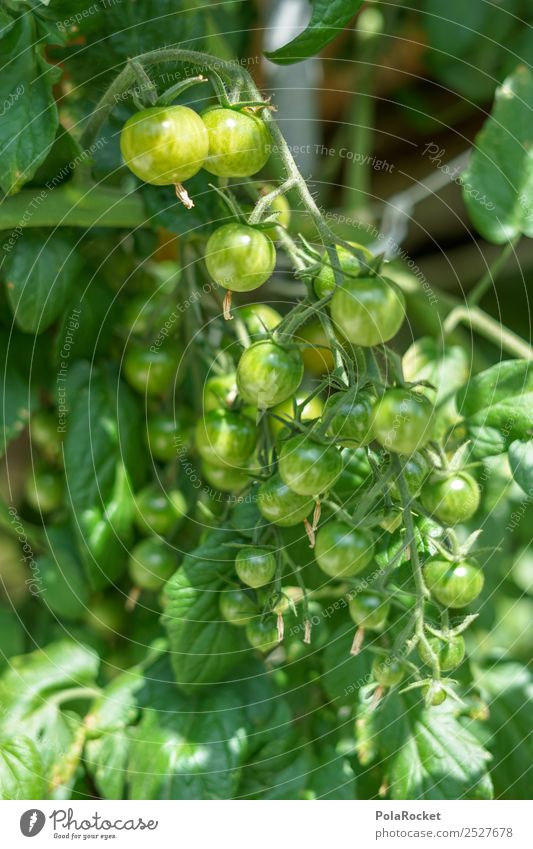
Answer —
255 566
368 310
369 610
44 490
450 652
316 349
402 421
237 607
268 374
324 282
262 634
151 372
239 142
435 692
225 438
157 511
107 616
239 258
453 498
415 471
290 597
167 436
225 478
281 206
280 505
151 564
351 421
218 389
258 319
312 410
45 435
307 467
342 551
388 671
163 145
453 584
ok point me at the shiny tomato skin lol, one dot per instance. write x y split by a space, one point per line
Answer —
151 372
237 607
239 142
388 671
151 564
225 478
168 436
453 498
268 374
259 319
157 511
307 467
369 610
164 145
312 410
450 652
402 421
324 282
255 566
350 424
368 311
453 584
280 506
262 634
239 258
225 438
342 551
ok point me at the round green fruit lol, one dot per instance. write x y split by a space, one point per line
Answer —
453 584
450 652
402 421
151 564
312 410
150 372
164 145
434 693
237 607
239 142
225 438
262 634
350 423
225 478
324 282
280 505
157 511
307 467
369 610
168 436
259 319
368 310
239 258
453 498
255 566
268 374
342 551
388 671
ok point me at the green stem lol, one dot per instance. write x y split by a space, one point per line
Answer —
483 285
490 328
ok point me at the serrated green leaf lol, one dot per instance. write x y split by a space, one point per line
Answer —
498 185
41 273
328 19
21 770
203 646
521 463
29 120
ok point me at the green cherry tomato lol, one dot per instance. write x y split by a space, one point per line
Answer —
225 438
262 634
453 498
151 564
163 145
45 435
312 410
351 420
239 258
107 616
434 693
239 142
453 584
415 471
168 436
280 505
255 566
324 282
307 467
342 551
150 372
44 490
259 319
225 478
388 671
450 652
268 374
369 610
368 310
237 607
279 205
219 390
157 511
402 421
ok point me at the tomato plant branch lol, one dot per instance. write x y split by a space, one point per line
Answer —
490 328
483 285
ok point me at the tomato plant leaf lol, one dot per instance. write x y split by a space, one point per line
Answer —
521 463
328 19
498 185
29 113
203 646
21 770
41 275
343 674
332 777
61 582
